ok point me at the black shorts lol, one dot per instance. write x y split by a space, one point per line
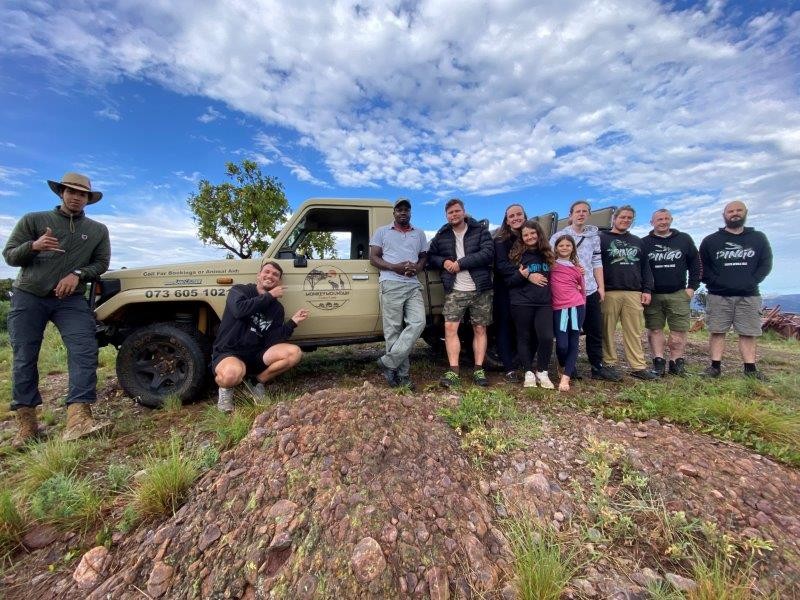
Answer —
254 362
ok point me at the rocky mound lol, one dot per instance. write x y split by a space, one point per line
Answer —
341 493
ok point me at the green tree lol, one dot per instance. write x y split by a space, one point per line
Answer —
242 216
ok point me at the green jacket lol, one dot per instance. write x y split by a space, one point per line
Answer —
85 243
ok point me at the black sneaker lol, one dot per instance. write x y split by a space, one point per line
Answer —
479 377
756 375
511 377
606 373
659 366
389 374
712 372
677 367
450 379
644 374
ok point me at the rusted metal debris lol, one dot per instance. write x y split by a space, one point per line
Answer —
785 324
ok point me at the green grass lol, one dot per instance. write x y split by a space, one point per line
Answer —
169 473
542 563
118 475
172 403
228 429
65 500
717 580
12 523
43 461
765 417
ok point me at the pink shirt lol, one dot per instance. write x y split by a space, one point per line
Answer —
566 285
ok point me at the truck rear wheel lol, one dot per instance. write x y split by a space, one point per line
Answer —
160 360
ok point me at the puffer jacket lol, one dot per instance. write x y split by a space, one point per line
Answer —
478 254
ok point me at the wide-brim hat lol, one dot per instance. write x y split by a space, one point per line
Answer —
76 181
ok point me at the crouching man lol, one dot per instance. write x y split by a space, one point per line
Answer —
251 336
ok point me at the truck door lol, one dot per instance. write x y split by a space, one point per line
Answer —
337 285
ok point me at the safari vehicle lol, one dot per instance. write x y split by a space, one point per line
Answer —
163 319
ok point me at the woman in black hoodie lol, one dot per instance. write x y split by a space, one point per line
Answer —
531 305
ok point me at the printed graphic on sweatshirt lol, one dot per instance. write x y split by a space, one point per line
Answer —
664 257
620 253
259 325
539 268
736 253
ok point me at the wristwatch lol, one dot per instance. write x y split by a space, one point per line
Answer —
78 272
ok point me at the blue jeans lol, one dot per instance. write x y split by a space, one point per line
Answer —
75 322
403 311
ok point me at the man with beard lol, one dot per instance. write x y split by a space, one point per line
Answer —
399 250
676 274
628 282
735 260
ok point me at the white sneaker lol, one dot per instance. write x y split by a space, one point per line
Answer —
544 380
257 391
530 379
225 402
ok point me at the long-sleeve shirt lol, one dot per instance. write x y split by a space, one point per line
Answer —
567 285
625 265
672 259
734 264
251 323
85 244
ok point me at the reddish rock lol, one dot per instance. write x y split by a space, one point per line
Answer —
160 579
438 586
367 560
210 535
91 568
39 536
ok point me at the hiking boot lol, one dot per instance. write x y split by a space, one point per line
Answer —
606 373
450 379
479 377
759 375
27 427
543 379
659 366
677 367
530 380
257 390
644 374
390 374
712 372
80 422
225 402
511 377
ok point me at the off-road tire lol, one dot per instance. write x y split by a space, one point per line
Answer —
162 359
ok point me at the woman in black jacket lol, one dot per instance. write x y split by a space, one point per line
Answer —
531 304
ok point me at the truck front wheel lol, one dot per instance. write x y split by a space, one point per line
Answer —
160 360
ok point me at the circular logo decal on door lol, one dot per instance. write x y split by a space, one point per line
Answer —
327 288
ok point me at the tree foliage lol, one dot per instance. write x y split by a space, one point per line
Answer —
242 216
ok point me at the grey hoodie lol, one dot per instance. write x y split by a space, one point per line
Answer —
589 254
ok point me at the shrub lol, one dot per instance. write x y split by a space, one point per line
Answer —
65 500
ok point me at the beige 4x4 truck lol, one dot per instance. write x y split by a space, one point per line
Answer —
163 319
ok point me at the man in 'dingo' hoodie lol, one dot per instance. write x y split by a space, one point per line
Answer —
675 264
735 260
629 282
587 244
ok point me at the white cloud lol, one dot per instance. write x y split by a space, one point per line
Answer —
210 115
194 177
478 97
108 113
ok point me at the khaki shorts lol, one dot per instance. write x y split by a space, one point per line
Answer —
742 312
668 309
479 304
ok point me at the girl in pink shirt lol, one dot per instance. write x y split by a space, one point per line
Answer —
569 306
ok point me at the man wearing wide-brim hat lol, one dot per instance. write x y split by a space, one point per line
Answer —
58 252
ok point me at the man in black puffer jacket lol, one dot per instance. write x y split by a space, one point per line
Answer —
463 250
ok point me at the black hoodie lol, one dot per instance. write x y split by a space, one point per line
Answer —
671 259
625 264
734 264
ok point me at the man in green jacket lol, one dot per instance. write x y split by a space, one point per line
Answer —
58 251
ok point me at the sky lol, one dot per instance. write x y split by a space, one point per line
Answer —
683 105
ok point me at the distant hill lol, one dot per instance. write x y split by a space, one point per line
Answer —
787 302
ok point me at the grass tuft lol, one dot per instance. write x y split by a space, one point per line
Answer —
54 457
12 522
542 565
172 403
65 500
168 476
